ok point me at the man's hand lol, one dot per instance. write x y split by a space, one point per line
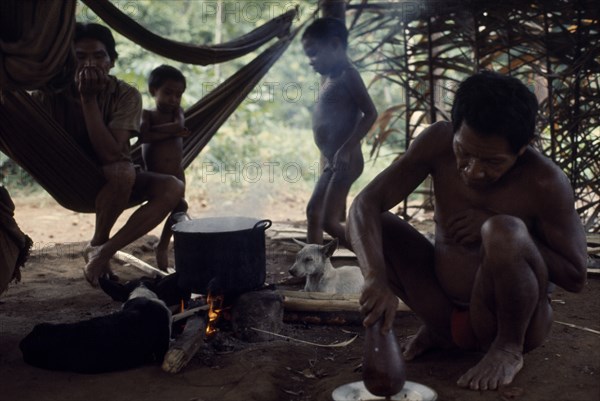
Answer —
377 299
91 80
465 227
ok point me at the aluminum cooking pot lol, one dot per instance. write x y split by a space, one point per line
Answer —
221 255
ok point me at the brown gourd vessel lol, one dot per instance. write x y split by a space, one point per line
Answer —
384 370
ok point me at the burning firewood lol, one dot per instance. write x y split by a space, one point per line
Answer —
186 345
185 314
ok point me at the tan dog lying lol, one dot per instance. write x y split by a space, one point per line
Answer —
312 262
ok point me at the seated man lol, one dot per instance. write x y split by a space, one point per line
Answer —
506 229
103 113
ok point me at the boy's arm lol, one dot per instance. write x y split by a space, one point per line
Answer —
167 128
153 133
147 131
174 127
360 95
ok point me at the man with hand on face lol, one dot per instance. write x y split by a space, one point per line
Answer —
506 231
103 113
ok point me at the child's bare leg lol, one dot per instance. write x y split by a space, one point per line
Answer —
314 209
335 201
337 193
161 249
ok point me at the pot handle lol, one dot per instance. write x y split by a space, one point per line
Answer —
263 224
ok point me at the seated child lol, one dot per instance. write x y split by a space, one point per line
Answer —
343 115
161 132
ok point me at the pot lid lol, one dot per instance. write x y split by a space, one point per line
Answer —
219 224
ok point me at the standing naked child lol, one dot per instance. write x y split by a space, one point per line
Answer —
343 115
161 133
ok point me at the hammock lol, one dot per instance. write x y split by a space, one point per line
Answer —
33 139
35 41
183 52
32 44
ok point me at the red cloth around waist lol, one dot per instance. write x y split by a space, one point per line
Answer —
462 331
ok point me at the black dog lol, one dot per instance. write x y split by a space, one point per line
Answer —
166 288
136 335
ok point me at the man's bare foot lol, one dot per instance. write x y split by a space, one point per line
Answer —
423 341
497 368
96 268
90 250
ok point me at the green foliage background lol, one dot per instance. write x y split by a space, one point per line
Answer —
272 127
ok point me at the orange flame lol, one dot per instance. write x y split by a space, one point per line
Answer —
215 307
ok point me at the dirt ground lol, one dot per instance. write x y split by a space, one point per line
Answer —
565 368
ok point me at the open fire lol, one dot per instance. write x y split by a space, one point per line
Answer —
215 304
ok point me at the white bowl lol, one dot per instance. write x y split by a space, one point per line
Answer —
357 392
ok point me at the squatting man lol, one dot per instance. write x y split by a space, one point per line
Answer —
506 232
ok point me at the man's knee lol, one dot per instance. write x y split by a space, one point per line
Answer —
182 207
174 190
391 222
502 229
504 237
